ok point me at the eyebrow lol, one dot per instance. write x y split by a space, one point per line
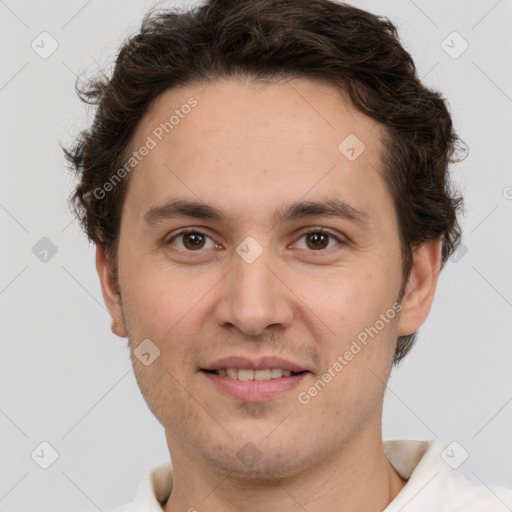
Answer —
328 207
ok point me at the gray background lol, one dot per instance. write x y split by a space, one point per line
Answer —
67 380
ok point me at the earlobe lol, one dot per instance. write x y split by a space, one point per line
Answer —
110 296
421 286
118 329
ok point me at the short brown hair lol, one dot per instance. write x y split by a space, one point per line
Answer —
335 43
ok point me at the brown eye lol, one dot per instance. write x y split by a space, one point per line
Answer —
317 240
192 241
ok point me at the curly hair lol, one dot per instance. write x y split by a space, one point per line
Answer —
322 40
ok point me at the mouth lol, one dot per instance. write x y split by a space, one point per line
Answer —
254 380
254 385
246 374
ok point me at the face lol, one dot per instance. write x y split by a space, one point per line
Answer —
262 279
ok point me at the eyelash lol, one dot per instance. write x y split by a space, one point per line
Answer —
186 231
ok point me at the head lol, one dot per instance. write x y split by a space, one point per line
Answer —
251 108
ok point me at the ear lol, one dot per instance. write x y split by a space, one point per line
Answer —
110 295
420 288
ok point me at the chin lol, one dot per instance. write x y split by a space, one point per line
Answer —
266 465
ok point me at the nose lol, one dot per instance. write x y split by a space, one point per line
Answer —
253 297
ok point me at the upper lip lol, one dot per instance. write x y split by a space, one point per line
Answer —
261 363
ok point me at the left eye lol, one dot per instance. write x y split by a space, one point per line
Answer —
194 240
318 240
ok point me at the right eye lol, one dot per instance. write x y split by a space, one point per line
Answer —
192 240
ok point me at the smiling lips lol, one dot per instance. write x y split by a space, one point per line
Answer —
248 374
254 380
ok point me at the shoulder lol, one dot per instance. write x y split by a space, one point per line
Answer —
434 482
153 490
464 495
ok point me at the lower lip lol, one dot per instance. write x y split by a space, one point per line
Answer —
255 390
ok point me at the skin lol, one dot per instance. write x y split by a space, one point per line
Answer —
249 149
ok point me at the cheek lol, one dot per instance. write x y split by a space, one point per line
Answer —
346 300
157 297
347 324
161 309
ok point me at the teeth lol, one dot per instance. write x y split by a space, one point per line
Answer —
232 373
262 375
246 374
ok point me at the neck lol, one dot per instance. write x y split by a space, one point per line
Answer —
357 476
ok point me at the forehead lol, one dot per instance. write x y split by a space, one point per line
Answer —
244 145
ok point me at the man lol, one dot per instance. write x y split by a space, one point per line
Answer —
266 183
